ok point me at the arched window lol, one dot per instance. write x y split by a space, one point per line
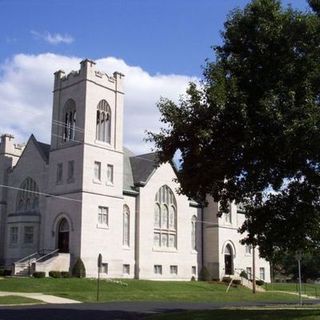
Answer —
28 196
228 260
193 233
63 235
165 219
69 120
103 127
126 226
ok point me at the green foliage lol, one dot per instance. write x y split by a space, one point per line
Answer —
226 280
65 274
243 274
204 274
236 282
287 265
39 274
193 278
260 282
254 126
79 270
1 272
55 274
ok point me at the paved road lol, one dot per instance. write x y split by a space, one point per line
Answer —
107 311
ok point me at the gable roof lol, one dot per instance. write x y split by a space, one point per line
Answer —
143 166
42 148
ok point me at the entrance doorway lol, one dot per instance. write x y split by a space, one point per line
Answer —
63 236
228 260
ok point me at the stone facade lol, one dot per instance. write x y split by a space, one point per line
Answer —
85 194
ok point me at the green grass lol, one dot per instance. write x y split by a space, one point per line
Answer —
309 289
17 300
241 315
140 290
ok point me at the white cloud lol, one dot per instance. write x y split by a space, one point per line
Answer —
26 83
55 38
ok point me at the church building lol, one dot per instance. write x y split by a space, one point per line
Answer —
85 194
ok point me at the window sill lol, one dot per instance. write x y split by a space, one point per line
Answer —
71 180
109 184
126 248
96 181
103 143
167 250
102 226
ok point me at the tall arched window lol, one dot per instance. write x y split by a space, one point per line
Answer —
69 120
165 219
193 233
28 196
126 226
228 259
103 128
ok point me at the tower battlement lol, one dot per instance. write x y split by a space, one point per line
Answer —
88 72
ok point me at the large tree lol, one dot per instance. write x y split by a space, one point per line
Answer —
250 131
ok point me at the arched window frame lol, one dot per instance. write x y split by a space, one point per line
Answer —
28 196
70 115
126 226
165 219
103 122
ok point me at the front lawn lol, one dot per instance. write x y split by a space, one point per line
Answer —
140 290
241 315
307 288
17 300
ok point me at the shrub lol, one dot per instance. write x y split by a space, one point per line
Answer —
79 270
2 271
226 280
204 274
39 274
65 274
243 274
193 278
7 272
55 274
236 282
260 282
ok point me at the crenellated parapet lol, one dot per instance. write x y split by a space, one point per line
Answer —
7 146
88 72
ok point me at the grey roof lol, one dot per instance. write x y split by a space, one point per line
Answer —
43 148
143 167
128 183
137 169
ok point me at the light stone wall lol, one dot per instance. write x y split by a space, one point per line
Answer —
221 232
148 256
9 155
78 200
25 168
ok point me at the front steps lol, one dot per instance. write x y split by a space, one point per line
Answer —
42 261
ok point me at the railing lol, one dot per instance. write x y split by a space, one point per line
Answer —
28 258
48 256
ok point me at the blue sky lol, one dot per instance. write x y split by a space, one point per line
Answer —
146 38
161 36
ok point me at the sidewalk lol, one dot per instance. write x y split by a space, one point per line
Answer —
39 296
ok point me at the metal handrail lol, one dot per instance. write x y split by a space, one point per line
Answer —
24 259
45 257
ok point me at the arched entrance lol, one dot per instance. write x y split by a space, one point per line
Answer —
228 259
63 236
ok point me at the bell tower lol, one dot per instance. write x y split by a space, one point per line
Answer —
86 157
